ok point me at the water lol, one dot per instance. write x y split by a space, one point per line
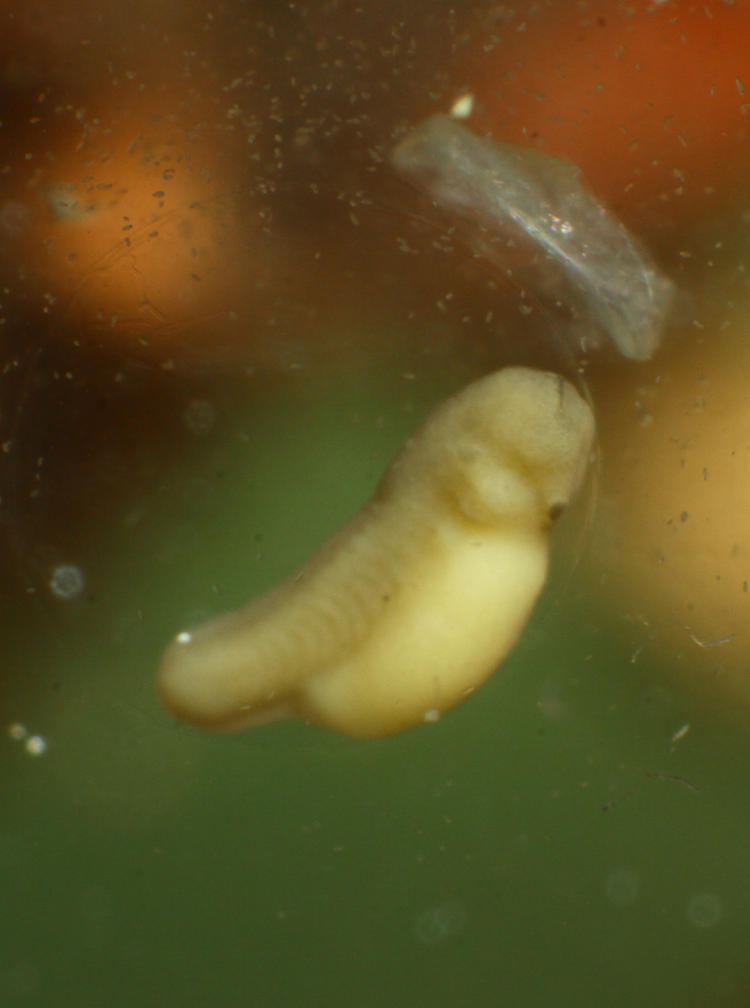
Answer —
172 446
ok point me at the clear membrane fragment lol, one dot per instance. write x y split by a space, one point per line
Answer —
517 194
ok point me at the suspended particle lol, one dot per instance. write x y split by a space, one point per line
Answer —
67 582
17 731
36 745
463 106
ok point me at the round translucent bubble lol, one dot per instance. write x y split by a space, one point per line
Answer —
17 731
199 416
623 887
437 923
704 909
67 581
36 745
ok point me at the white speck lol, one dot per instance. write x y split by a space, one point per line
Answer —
17 731
681 732
35 745
432 715
704 909
67 581
184 637
711 643
463 106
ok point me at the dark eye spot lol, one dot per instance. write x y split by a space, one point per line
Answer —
556 510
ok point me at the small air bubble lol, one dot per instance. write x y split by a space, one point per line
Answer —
36 745
67 581
184 637
17 731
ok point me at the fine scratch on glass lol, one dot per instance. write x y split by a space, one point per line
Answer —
518 192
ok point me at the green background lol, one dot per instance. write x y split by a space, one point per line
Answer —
546 841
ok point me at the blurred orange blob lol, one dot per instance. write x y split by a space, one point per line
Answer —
138 232
673 540
649 99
